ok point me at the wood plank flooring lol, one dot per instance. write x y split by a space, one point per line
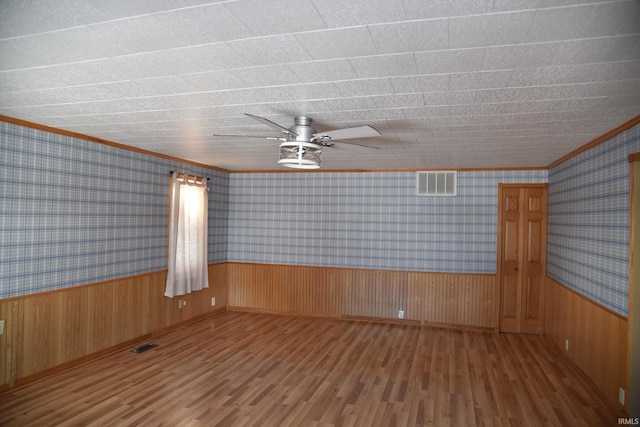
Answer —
237 369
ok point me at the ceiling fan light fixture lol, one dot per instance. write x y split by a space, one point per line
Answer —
300 155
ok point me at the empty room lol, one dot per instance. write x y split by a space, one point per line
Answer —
319 213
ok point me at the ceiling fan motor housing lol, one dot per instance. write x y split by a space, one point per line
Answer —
303 129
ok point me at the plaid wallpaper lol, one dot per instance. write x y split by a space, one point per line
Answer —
588 234
367 220
74 212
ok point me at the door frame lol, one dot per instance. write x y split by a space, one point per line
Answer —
500 242
633 319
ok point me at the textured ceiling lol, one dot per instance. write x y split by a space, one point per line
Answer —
449 84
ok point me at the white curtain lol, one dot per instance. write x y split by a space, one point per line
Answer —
188 204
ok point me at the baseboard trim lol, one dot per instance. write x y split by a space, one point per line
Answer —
365 319
118 347
70 364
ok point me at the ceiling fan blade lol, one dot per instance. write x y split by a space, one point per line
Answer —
272 124
250 136
359 145
348 133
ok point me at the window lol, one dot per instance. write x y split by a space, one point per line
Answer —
187 258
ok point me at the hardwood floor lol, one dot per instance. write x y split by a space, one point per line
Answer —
236 369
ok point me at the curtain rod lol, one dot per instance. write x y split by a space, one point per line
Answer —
187 175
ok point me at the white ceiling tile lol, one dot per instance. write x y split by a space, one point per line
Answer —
54 48
486 96
418 84
620 112
309 107
365 87
115 69
290 109
568 91
329 44
420 9
45 77
205 24
586 73
234 111
118 9
39 114
312 91
381 114
511 5
350 104
550 76
80 122
49 97
195 59
411 36
106 108
94 41
17 99
133 35
338 13
320 71
155 86
268 75
450 98
598 50
270 50
622 101
220 124
428 111
519 56
395 101
526 107
489 30
40 16
479 80
277 17
95 92
621 87
584 21
384 65
215 80
449 61
248 96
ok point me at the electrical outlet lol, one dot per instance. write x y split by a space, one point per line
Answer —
566 344
181 303
401 314
621 396
213 301
1 327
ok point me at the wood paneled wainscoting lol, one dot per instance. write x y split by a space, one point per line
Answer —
452 299
597 338
52 330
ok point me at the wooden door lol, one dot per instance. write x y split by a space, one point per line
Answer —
522 256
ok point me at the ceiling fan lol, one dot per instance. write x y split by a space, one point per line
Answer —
301 145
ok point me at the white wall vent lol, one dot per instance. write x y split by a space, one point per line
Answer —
440 183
